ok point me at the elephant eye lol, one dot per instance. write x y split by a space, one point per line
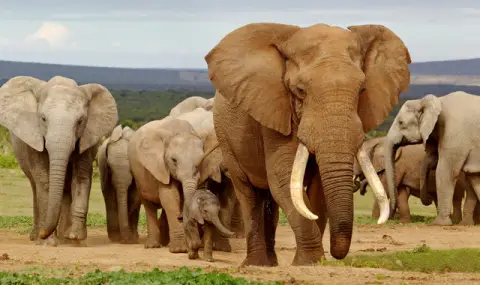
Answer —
300 91
174 160
44 118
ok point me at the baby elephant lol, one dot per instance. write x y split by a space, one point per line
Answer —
203 206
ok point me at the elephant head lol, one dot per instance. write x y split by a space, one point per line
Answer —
324 85
61 117
414 124
171 149
205 206
116 179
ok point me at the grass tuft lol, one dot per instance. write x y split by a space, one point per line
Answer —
180 276
421 259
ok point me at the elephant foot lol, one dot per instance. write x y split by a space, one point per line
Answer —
152 243
303 258
222 245
467 222
457 219
177 246
208 257
239 235
440 221
405 220
52 240
114 236
261 260
192 254
130 239
76 232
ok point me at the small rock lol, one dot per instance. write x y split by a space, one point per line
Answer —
399 262
4 257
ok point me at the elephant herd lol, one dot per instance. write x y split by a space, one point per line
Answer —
285 130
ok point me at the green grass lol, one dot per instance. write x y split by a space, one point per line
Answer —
420 259
8 161
181 276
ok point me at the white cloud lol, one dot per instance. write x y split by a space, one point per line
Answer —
54 34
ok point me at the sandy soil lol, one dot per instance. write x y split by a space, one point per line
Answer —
100 253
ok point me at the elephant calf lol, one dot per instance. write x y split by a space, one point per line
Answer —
122 201
200 214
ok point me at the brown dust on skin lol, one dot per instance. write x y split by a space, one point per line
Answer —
99 253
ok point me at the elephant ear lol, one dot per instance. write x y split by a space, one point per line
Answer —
211 165
398 153
151 153
18 109
429 110
247 69
385 64
102 115
116 134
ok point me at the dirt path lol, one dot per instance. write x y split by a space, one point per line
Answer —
100 253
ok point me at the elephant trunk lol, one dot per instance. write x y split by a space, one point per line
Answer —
390 149
221 228
189 187
59 146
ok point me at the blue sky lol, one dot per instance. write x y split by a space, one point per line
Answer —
178 33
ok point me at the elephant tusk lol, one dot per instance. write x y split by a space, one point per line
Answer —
296 182
375 184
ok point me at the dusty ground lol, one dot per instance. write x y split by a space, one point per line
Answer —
100 253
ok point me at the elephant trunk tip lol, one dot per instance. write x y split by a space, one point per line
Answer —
340 247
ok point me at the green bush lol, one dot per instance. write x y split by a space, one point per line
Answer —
181 276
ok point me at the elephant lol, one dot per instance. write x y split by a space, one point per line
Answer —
163 155
408 164
190 104
448 128
462 185
122 202
295 102
201 214
55 128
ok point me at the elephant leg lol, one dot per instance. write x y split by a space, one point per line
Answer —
237 222
271 216
402 204
475 182
42 202
445 182
134 205
227 201
171 202
457 203
308 236
34 233
81 184
153 225
113 227
476 214
208 242
164 232
469 207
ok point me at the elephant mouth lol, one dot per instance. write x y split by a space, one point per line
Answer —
298 174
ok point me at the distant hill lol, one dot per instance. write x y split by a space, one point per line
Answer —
463 67
453 72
